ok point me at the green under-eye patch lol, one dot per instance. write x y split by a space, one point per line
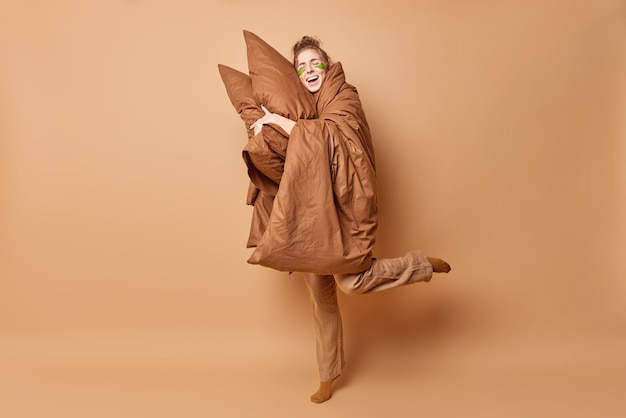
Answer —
301 71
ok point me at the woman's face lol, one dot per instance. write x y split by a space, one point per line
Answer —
311 69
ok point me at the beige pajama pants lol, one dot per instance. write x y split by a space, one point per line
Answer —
385 273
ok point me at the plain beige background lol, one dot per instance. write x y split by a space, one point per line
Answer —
500 137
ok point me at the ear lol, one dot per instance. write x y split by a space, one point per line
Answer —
275 82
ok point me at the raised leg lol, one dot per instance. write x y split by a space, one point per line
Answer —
388 273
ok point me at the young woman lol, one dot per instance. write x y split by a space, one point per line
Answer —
341 123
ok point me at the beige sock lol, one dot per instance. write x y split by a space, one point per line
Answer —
324 392
439 266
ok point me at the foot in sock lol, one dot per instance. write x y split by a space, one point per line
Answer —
324 392
439 266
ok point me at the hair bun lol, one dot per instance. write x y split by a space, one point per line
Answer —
310 42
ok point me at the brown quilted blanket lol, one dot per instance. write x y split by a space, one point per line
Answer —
323 217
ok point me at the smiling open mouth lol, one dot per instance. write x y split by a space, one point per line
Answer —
312 79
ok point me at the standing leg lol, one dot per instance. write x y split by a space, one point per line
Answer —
328 332
388 273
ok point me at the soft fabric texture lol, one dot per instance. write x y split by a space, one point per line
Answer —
239 89
263 153
324 216
275 82
314 193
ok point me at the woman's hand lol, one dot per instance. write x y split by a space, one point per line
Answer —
264 120
286 124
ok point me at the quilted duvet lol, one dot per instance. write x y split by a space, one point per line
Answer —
314 191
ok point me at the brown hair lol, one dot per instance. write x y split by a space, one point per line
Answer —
310 42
